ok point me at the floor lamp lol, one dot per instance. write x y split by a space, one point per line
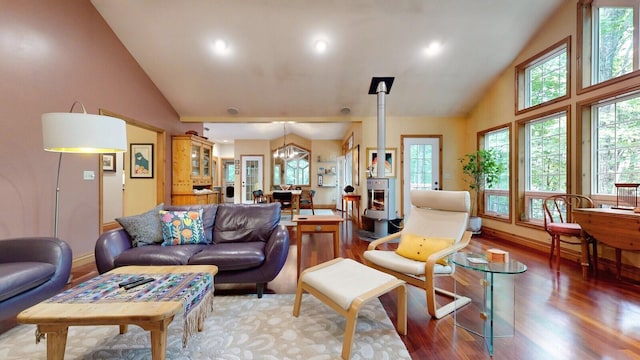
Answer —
80 133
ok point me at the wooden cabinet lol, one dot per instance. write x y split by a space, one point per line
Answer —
193 168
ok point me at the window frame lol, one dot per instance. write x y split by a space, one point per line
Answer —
525 197
486 192
521 83
585 45
584 136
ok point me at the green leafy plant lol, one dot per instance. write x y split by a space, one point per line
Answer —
482 169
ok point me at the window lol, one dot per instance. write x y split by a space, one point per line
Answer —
496 199
544 78
608 29
616 145
291 165
545 165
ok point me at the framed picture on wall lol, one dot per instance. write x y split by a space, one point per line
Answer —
141 160
109 162
389 161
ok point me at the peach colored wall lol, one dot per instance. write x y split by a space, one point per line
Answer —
52 53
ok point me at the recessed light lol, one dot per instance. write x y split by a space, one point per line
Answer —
233 110
321 46
345 111
220 47
433 49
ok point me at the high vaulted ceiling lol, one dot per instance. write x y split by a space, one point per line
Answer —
270 69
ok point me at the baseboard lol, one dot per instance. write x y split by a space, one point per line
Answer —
83 260
604 265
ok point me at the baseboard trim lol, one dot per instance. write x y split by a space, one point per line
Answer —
83 260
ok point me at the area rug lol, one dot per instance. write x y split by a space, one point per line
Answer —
241 327
285 218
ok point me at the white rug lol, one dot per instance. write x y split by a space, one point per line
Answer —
285 218
241 327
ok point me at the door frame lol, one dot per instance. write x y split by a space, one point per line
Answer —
402 164
243 185
159 167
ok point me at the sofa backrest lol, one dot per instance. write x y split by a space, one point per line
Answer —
245 222
208 216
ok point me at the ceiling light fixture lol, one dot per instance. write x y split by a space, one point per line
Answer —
321 46
345 111
233 110
220 47
433 49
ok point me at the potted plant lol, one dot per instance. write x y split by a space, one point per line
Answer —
482 169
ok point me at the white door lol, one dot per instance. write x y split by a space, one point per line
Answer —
421 169
341 181
251 177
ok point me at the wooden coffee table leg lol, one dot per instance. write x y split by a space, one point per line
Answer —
158 331
56 340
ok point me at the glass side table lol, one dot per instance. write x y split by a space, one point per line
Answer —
493 283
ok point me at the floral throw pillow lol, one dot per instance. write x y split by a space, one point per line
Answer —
182 227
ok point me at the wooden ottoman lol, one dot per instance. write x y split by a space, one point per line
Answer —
345 285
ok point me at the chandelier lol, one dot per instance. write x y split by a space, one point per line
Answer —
284 152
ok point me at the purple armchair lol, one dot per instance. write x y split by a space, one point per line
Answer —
32 269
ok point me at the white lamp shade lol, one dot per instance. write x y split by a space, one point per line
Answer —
83 133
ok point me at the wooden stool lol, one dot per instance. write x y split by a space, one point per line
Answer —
345 285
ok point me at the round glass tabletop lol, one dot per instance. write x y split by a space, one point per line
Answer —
479 262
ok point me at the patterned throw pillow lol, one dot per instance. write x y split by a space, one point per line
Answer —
144 229
419 248
182 227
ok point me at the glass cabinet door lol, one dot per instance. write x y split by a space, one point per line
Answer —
206 162
195 160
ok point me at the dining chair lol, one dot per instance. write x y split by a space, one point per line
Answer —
306 200
258 197
285 198
559 223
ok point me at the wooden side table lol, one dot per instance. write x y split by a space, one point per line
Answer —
317 224
355 200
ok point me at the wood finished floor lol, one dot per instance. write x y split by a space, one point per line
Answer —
558 316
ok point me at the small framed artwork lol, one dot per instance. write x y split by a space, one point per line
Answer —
141 160
109 162
389 162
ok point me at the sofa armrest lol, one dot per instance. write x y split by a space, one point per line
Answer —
109 245
276 251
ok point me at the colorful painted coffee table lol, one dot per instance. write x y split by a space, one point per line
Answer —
152 306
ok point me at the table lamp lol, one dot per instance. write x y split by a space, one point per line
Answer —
81 133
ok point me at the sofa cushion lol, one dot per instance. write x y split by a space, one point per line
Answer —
231 256
144 229
182 227
18 277
245 222
158 255
208 216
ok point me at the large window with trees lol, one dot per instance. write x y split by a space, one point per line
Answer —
609 46
616 143
544 141
544 78
496 199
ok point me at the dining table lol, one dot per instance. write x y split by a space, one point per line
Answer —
295 198
617 228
